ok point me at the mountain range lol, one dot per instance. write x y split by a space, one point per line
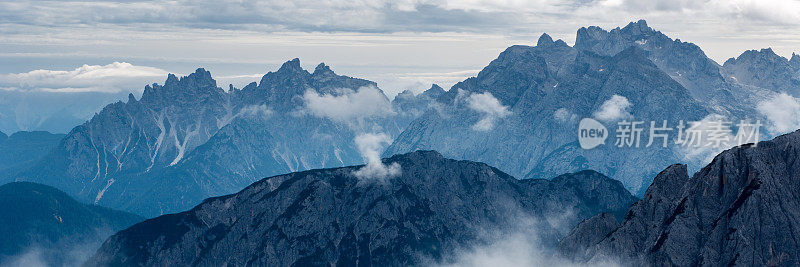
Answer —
546 89
193 156
188 139
333 217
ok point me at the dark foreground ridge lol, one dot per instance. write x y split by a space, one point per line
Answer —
329 216
742 209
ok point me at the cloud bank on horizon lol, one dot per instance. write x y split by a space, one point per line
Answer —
82 46
396 35
112 78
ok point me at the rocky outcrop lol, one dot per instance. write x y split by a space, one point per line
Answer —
738 210
578 245
765 69
332 217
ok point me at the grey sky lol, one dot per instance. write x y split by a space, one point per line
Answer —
399 44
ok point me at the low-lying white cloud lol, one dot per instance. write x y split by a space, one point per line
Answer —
348 105
563 115
257 111
782 112
370 145
519 245
491 109
613 109
112 78
707 138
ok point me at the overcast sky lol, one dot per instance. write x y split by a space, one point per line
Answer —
399 44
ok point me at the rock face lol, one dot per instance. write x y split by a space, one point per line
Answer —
550 87
188 139
766 69
41 218
738 210
23 148
329 216
578 244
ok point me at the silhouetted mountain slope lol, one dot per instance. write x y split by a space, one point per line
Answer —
739 210
48 224
25 147
330 216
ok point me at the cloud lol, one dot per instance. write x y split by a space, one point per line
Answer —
518 245
257 111
783 113
613 109
563 115
707 138
491 108
348 105
112 78
370 145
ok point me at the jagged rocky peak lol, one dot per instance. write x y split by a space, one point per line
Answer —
638 27
610 42
434 92
200 78
323 70
795 61
510 75
290 73
766 69
741 209
588 37
291 79
291 65
593 33
195 84
545 40
763 56
323 73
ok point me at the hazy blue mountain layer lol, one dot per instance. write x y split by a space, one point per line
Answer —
44 226
23 148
